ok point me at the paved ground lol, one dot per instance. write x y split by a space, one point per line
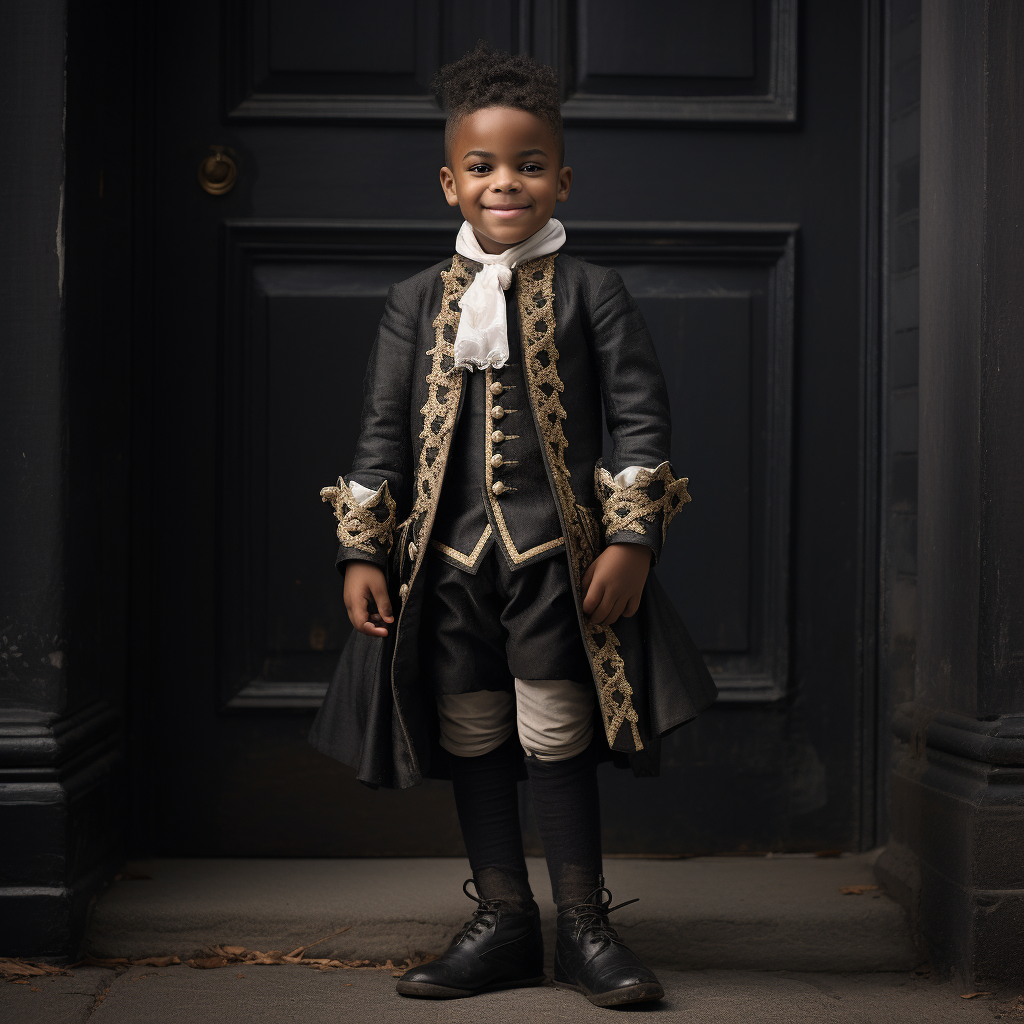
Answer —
744 913
269 995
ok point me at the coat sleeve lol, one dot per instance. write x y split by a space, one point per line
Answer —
638 419
366 525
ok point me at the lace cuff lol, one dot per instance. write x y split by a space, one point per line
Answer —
652 493
358 523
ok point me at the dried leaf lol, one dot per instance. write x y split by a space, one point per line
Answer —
234 950
207 962
156 961
261 958
974 995
11 967
857 890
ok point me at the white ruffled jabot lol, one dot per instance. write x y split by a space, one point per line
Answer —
482 339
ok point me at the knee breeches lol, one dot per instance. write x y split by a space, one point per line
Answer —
554 718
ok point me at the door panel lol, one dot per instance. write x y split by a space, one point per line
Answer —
693 179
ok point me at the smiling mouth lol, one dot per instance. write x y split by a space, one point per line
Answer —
506 211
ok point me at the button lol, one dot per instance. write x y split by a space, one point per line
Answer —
497 412
497 437
496 388
412 549
498 487
496 461
403 591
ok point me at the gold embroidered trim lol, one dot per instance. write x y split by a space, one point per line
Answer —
470 559
628 508
358 524
444 386
535 285
518 557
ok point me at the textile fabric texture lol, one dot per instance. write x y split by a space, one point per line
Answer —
565 801
496 625
554 718
487 802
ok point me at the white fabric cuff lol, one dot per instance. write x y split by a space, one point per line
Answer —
363 494
626 478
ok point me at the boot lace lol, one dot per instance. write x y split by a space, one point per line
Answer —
592 915
484 915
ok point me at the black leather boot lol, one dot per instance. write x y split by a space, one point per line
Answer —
499 947
592 959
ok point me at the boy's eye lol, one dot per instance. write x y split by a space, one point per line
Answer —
479 169
531 168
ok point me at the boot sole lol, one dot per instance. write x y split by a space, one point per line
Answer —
422 990
648 992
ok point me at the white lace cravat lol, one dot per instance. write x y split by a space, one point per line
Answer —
482 339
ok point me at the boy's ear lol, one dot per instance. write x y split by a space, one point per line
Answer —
564 184
448 186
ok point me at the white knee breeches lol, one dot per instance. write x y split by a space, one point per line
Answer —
554 718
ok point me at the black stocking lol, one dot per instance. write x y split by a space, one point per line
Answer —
488 804
569 818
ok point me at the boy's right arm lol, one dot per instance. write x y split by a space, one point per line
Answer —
381 464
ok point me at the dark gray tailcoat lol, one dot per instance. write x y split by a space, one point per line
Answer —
584 343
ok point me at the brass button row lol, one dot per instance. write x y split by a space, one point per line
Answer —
497 413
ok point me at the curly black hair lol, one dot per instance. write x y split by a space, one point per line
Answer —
491 78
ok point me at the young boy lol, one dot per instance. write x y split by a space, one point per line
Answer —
525 634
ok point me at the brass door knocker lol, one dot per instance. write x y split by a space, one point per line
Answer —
218 172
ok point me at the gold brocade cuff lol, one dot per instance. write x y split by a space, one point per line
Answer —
630 508
358 525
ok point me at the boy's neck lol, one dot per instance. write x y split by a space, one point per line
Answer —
493 248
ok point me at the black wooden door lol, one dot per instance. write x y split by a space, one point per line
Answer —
718 155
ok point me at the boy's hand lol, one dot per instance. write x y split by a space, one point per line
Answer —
614 582
365 583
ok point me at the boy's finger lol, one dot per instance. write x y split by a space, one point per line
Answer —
620 607
631 607
604 608
383 602
587 577
593 598
367 625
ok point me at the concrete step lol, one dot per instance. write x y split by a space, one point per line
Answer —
742 913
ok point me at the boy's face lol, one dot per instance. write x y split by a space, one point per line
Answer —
506 175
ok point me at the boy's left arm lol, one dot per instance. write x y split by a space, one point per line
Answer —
638 492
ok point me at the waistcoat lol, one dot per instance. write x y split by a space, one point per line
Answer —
495 488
